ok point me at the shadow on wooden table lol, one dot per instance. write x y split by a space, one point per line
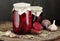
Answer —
56 39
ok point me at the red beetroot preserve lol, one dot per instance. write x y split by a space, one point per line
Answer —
22 18
26 27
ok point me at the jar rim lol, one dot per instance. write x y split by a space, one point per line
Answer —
21 4
36 8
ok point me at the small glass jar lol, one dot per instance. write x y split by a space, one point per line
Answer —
37 12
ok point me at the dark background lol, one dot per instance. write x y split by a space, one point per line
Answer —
51 8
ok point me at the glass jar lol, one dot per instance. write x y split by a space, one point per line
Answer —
21 18
37 12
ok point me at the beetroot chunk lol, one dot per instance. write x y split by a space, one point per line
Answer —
37 27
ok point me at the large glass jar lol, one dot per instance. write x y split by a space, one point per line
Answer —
21 18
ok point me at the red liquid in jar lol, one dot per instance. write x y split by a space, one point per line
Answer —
23 27
26 27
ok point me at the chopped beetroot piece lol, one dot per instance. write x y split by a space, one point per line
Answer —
37 26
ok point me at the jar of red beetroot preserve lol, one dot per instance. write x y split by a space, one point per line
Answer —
21 18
